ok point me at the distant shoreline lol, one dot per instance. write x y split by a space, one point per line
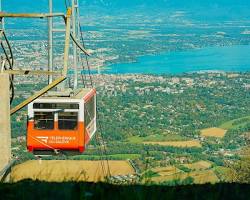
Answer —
210 59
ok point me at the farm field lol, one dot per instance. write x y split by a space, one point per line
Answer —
68 170
206 176
199 177
184 144
213 132
166 171
223 173
201 172
200 165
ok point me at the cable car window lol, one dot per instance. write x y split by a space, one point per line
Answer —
89 111
44 120
67 120
55 106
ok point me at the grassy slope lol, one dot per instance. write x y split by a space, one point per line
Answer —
230 124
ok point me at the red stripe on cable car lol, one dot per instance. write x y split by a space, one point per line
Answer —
76 139
90 94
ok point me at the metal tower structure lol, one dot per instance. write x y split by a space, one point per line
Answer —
75 33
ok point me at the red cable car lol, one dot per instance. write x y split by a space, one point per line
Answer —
62 123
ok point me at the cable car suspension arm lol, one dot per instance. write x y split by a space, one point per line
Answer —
37 95
57 81
29 15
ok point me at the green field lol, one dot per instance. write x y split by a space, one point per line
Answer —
236 123
223 173
110 157
156 138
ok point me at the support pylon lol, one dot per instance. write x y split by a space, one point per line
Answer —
5 130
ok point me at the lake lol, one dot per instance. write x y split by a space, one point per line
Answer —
228 58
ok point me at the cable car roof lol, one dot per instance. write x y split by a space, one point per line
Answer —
84 93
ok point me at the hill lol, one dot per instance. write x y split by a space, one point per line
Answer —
71 190
204 10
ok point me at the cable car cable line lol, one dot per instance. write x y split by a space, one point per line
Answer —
100 140
100 126
103 151
98 122
10 61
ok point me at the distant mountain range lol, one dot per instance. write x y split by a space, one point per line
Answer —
177 4
119 4
214 9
